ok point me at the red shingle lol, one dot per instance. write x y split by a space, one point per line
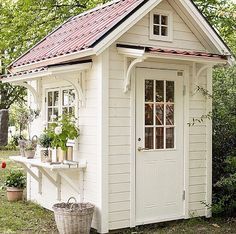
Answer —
80 32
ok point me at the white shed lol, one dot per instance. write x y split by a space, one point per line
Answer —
131 69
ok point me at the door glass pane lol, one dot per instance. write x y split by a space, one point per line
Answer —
170 138
169 114
159 114
170 91
148 114
159 138
56 98
159 91
149 87
49 98
149 138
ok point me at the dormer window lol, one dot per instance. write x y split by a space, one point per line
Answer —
161 25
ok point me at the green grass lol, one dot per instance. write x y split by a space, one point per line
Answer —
20 217
27 217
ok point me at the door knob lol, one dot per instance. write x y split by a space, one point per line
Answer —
142 149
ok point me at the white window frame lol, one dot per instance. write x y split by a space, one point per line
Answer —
60 106
169 15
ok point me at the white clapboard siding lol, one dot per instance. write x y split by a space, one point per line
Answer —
197 154
120 122
183 37
88 138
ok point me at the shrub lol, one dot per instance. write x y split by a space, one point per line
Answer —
16 179
224 141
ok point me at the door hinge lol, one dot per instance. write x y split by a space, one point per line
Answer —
184 195
184 90
45 99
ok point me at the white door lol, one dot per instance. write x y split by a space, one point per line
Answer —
159 146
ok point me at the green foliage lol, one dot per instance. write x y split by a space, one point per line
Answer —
224 141
22 24
21 117
222 15
65 129
17 179
45 140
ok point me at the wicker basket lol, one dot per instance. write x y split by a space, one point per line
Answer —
73 218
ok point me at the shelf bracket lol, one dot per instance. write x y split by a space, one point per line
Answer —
38 177
70 182
56 182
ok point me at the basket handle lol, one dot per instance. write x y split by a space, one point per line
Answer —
72 198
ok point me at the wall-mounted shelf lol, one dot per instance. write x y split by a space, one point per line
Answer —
59 169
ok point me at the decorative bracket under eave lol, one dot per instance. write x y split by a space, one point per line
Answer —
197 74
32 90
129 69
77 83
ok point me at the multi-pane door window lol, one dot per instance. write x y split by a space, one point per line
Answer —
159 114
60 101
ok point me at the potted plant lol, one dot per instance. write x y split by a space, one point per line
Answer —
45 142
62 131
15 183
29 149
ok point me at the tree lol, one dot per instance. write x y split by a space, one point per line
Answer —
222 14
22 24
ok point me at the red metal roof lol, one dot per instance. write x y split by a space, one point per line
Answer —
185 53
80 32
154 50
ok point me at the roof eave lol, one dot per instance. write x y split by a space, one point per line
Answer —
51 71
56 60
208 30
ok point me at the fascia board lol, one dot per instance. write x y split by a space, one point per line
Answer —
56 60
50 72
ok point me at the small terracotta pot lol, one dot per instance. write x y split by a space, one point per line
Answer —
14 194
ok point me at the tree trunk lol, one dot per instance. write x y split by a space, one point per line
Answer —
4 118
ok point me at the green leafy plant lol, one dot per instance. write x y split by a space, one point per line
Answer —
45 140
16 179
62 131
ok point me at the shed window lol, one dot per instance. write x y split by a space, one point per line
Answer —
161 26
60 101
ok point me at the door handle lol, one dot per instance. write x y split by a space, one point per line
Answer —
142 149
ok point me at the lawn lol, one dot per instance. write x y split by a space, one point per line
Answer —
27 217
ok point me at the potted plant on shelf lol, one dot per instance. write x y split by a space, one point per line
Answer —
45 142
29 149
15 183
62 131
